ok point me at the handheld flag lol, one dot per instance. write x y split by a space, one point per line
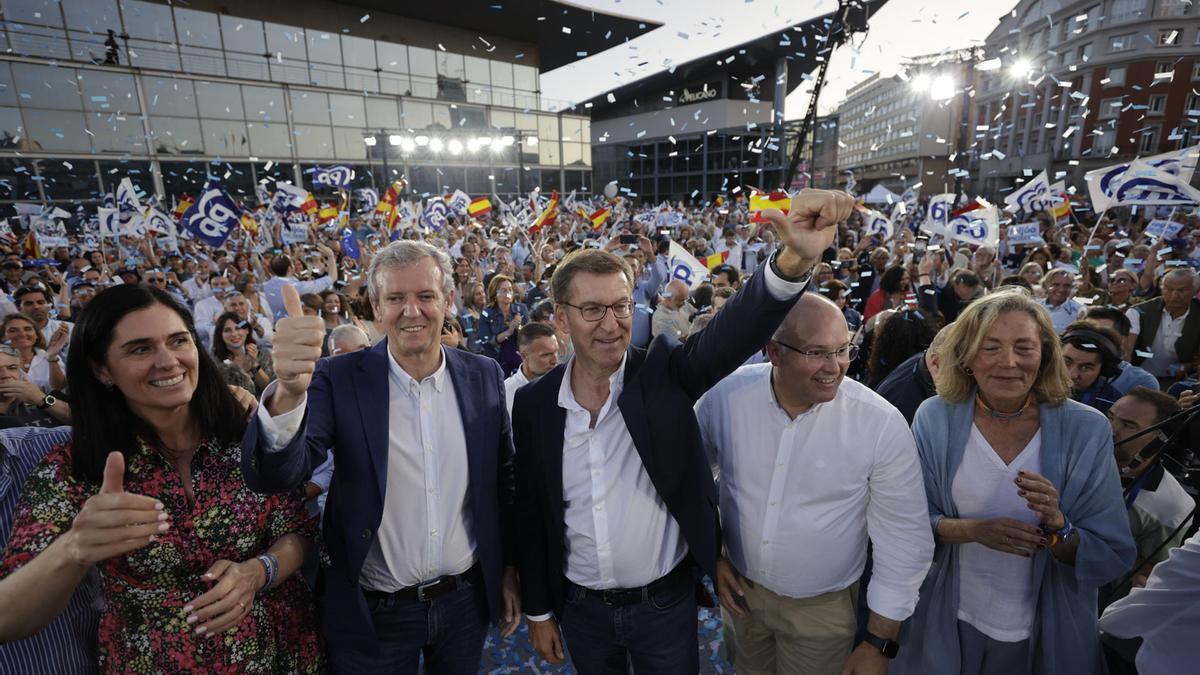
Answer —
1032 197
479 207
185 203
978 223
1103 183
600 217
327 213
435 215
213 217
760 202
350 244
547 216
684 266
337 177
938 215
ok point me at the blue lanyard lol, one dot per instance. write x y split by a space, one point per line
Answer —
1134 490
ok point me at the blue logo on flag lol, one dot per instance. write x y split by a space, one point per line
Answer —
213 217
434 217
337 177
350 244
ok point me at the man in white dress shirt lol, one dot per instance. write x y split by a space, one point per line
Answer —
1059 284
209 308
538 344
811 466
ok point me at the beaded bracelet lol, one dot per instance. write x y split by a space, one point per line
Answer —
271 564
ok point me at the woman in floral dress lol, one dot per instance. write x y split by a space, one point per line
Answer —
197 571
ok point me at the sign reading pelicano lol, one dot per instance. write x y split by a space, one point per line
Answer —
704 94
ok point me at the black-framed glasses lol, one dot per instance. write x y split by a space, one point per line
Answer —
596 312
847 353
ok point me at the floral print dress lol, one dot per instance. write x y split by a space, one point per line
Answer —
143 628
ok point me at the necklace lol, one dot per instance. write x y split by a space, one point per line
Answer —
1000 415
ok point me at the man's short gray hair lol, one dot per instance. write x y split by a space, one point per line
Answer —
404 253
347 335
1180 273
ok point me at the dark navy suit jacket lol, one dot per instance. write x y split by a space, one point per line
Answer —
348 411
662 385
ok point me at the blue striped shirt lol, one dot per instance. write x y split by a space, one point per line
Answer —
69 644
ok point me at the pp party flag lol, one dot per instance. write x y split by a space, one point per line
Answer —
288 196
600 217
759 202
876 223
684 266
369 198
459 202
213 217
547 216
938 214
1143 183
337 177
1103 183
185 203
127 199
110 225
479 207
435 215
976 223
1032 197
6 232
158 222
350 244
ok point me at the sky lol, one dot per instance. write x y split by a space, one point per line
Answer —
695 28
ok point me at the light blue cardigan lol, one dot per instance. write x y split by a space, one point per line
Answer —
1077 456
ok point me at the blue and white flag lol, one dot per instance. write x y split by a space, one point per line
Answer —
683 266
458 202
1032 197
159 222
337 177
1025 233
979 226
938 215
262 194
1103 184
350 244
213 217
110 223
877 224
127 199
288 197
434 215
1144 183
368 197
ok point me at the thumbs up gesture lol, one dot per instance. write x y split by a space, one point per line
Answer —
114 522
297 347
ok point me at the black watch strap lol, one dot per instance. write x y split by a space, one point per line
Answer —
773 261
889 648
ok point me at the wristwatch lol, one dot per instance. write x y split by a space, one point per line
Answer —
774 263
889 648
47 402
1064 534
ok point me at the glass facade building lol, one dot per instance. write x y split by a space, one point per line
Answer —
194 93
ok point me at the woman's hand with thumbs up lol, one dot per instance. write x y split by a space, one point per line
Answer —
114 522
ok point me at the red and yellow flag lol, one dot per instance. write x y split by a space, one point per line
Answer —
29 246
249 224
185 203
310 206
712 261
547 216
479 207
600 217
759 202
327 213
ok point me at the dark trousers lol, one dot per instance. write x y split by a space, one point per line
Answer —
449 631
656 635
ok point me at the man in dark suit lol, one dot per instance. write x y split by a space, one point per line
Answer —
418 523
615 495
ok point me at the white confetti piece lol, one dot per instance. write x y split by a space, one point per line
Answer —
364 18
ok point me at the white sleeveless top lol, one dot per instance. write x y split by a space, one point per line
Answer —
995 589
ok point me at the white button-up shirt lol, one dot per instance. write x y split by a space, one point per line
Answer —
1063 315
423 534
1162 351
799 497
512 384
619 532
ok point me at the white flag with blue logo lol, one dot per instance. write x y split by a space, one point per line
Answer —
979 226
337 177
127 200
434 215
938 215
213 217
368 197
1160 179
684 266
110 223
877 224
1032 197
459 201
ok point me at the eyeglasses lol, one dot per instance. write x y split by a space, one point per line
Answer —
847 353
595 312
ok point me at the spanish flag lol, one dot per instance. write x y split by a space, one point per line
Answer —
185 203
759 202
310 206
547 216
1061 205
600 217
479 207
327 213
29 246
712 261
249 224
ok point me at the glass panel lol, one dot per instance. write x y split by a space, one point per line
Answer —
505 98
46 86
268 173
156 55
506 180
88 47
148 20
242 35
235 176
90 16
417 115
391 83
441 116
572 154
393 58
587 154
222 137
525 78
62 183
349 143
503 119
310 107
16 179
169 96
469 117
382 113
264 103
425 87
176 135
347 111
198 29
450 65
421 62
324 47
574 181
247 66
180 178
105 91
478 71
547 128
57 130
294 72
112 132
202 61
358 52
269 140
479 93
502 74
548 152
38 41
424 179
451 178
217 100
572 129
361 79
477 181
527 122
43 12
12 132
285 40
326 76
315 141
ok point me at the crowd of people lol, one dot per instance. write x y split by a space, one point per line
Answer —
900 454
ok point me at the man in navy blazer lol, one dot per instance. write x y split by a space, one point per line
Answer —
419 519
615 495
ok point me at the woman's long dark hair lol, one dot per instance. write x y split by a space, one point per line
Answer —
219 349
101 418
903 334
890 281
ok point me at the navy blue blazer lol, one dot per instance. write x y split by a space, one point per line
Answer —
348 411
662 385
